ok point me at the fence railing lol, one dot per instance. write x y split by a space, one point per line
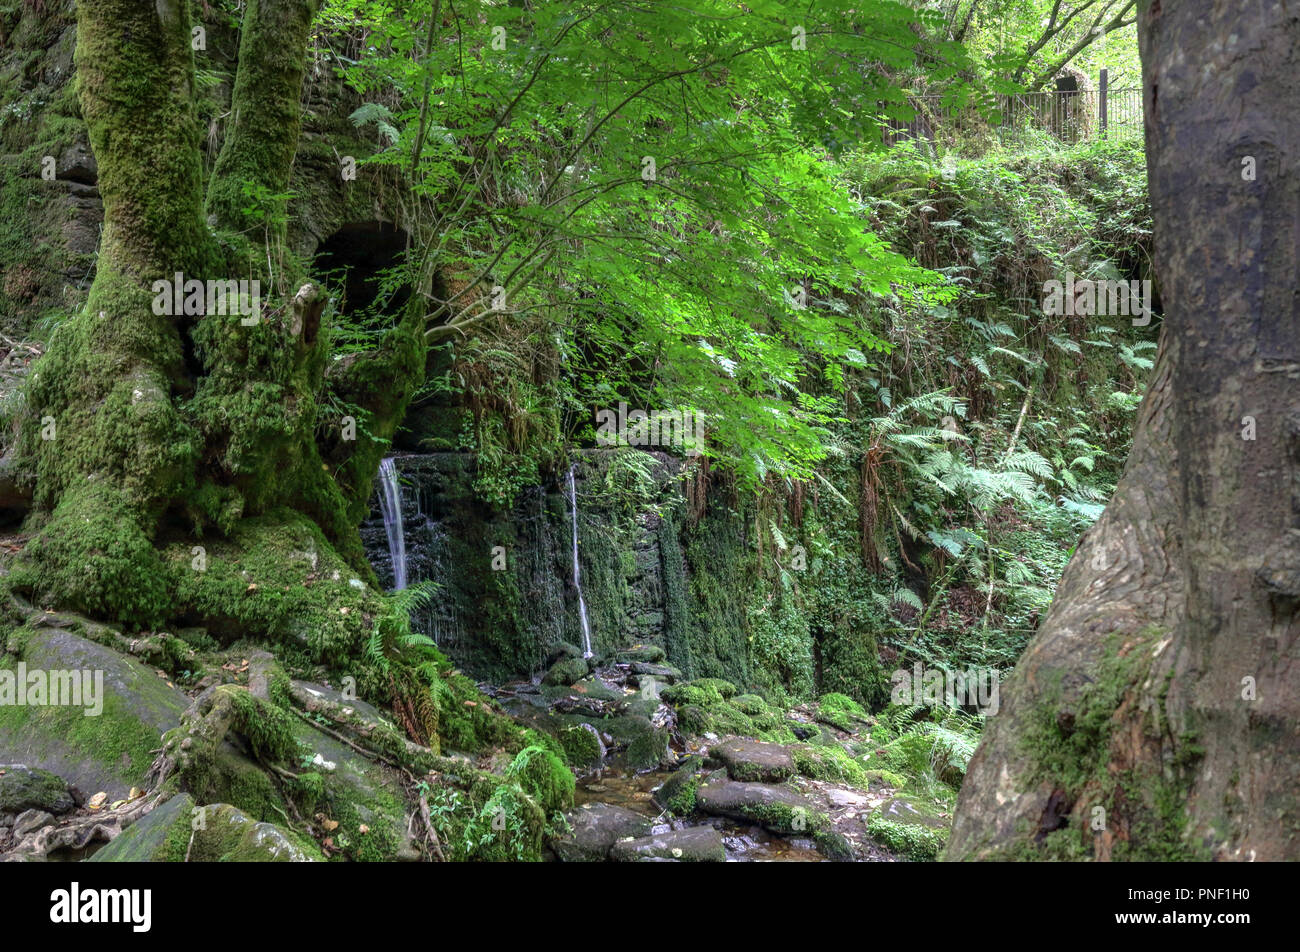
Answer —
1071 115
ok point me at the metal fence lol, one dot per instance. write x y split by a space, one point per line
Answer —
1070 115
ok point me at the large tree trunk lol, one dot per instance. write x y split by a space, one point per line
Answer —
176 460
1157 712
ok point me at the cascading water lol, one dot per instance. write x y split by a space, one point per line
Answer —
390 503
577 583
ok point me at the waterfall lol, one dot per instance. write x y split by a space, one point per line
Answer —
390 503
577 583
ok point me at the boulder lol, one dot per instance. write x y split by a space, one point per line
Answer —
108 751
697 844
595 827
218 833
566 671
780 809
754 760
25 788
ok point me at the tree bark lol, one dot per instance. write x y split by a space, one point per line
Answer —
151 437
1157 712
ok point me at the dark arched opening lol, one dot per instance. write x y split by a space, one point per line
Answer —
356 263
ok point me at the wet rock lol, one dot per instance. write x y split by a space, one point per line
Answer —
754 760
834 845
595 828
24 788
776 808
698 844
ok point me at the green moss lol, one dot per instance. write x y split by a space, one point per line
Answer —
544 777
381 813
509 828
582 747
786 819
831 763
914 841
117 738
841 711
684 798
278 576
703 692
1144 806
647 749
94 557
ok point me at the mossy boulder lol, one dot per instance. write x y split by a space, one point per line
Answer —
840 710
357 792
753 760
160 836
677 793
582 746
566 671
780 809
110 751
544 777
219 832
24 788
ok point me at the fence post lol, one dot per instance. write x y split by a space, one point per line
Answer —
1101 101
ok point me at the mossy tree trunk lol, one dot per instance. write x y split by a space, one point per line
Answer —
175 460
1157 712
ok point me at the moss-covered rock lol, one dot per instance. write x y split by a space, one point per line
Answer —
582 746
751 760
566 671
24 788
677 793
544 777
179 831
593 828
776 808
110 751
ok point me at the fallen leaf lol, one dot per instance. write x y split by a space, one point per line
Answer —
363 829
330 825
97 801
